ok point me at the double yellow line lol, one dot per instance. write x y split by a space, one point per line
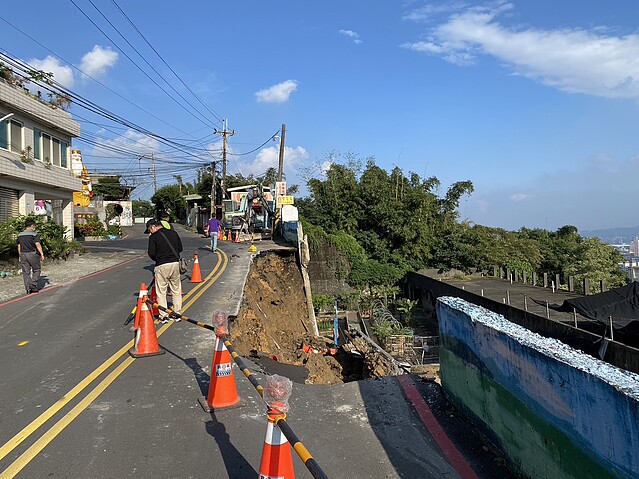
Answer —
190 298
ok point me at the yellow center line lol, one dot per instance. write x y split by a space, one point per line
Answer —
28 455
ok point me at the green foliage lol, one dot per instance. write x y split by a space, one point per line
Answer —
52 238
598 262
114 230
142 208
168 198
321 302
384 329
110 189
90 228
373 226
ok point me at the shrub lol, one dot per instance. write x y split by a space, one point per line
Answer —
54 244
114 230
90 228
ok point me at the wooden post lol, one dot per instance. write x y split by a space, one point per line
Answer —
545 280
586 286
571 284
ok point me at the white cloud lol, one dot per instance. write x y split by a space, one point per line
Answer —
429 11
517 197
576 60
269 157
351 34
96 62
129 140
62 74
279 93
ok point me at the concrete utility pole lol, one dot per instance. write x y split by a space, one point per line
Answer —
213 211
281 169
224 132
155 178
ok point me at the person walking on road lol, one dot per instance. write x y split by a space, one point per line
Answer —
165 247
213 227
30 255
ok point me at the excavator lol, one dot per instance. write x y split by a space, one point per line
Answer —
250 209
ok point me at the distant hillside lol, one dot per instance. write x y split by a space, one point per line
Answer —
613 235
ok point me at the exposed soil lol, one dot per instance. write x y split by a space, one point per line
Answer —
273 325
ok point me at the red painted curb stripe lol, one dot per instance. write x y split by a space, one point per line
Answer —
455 458
69 282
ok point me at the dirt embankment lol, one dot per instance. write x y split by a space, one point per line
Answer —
273 324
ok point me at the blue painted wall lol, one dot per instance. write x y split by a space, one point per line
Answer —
553 411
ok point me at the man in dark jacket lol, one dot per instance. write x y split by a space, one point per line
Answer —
165 247
30 254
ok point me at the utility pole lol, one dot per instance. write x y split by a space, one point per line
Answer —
281 169
224 132
213 202
155 178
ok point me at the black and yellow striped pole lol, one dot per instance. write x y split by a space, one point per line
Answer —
306 457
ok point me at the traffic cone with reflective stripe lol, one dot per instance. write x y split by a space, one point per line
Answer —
146 339
196 276
153 297
277 461
237 236
222 390
138 308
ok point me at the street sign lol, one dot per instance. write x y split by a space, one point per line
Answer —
285 200
280 188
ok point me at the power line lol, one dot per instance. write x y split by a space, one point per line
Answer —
163 61
89 76
133 62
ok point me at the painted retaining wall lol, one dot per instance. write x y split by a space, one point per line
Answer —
553 411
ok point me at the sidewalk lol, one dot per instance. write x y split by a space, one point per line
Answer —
57 272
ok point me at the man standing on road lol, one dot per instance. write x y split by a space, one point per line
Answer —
30 255
165 247
213 227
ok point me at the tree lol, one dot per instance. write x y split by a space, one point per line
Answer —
169 199
142 208
597 262
110 189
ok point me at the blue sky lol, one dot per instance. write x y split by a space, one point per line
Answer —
537 103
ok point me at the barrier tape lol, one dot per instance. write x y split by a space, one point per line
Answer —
306 457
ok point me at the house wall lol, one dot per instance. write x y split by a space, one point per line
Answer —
35 181
552 410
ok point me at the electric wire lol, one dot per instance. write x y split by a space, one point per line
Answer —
134 63
89 76
163 61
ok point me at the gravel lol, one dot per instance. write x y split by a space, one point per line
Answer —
56 272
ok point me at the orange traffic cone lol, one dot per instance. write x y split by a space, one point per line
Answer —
276 454
222 390
237 236
146 339
196 276
155 312
138 308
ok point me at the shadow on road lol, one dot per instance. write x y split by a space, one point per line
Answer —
201 376
236 465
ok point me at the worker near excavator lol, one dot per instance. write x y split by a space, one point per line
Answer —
213 227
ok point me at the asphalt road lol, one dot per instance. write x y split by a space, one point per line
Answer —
75 405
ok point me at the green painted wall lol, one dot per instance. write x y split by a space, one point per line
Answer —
533 446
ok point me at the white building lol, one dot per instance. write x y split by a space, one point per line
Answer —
35 156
